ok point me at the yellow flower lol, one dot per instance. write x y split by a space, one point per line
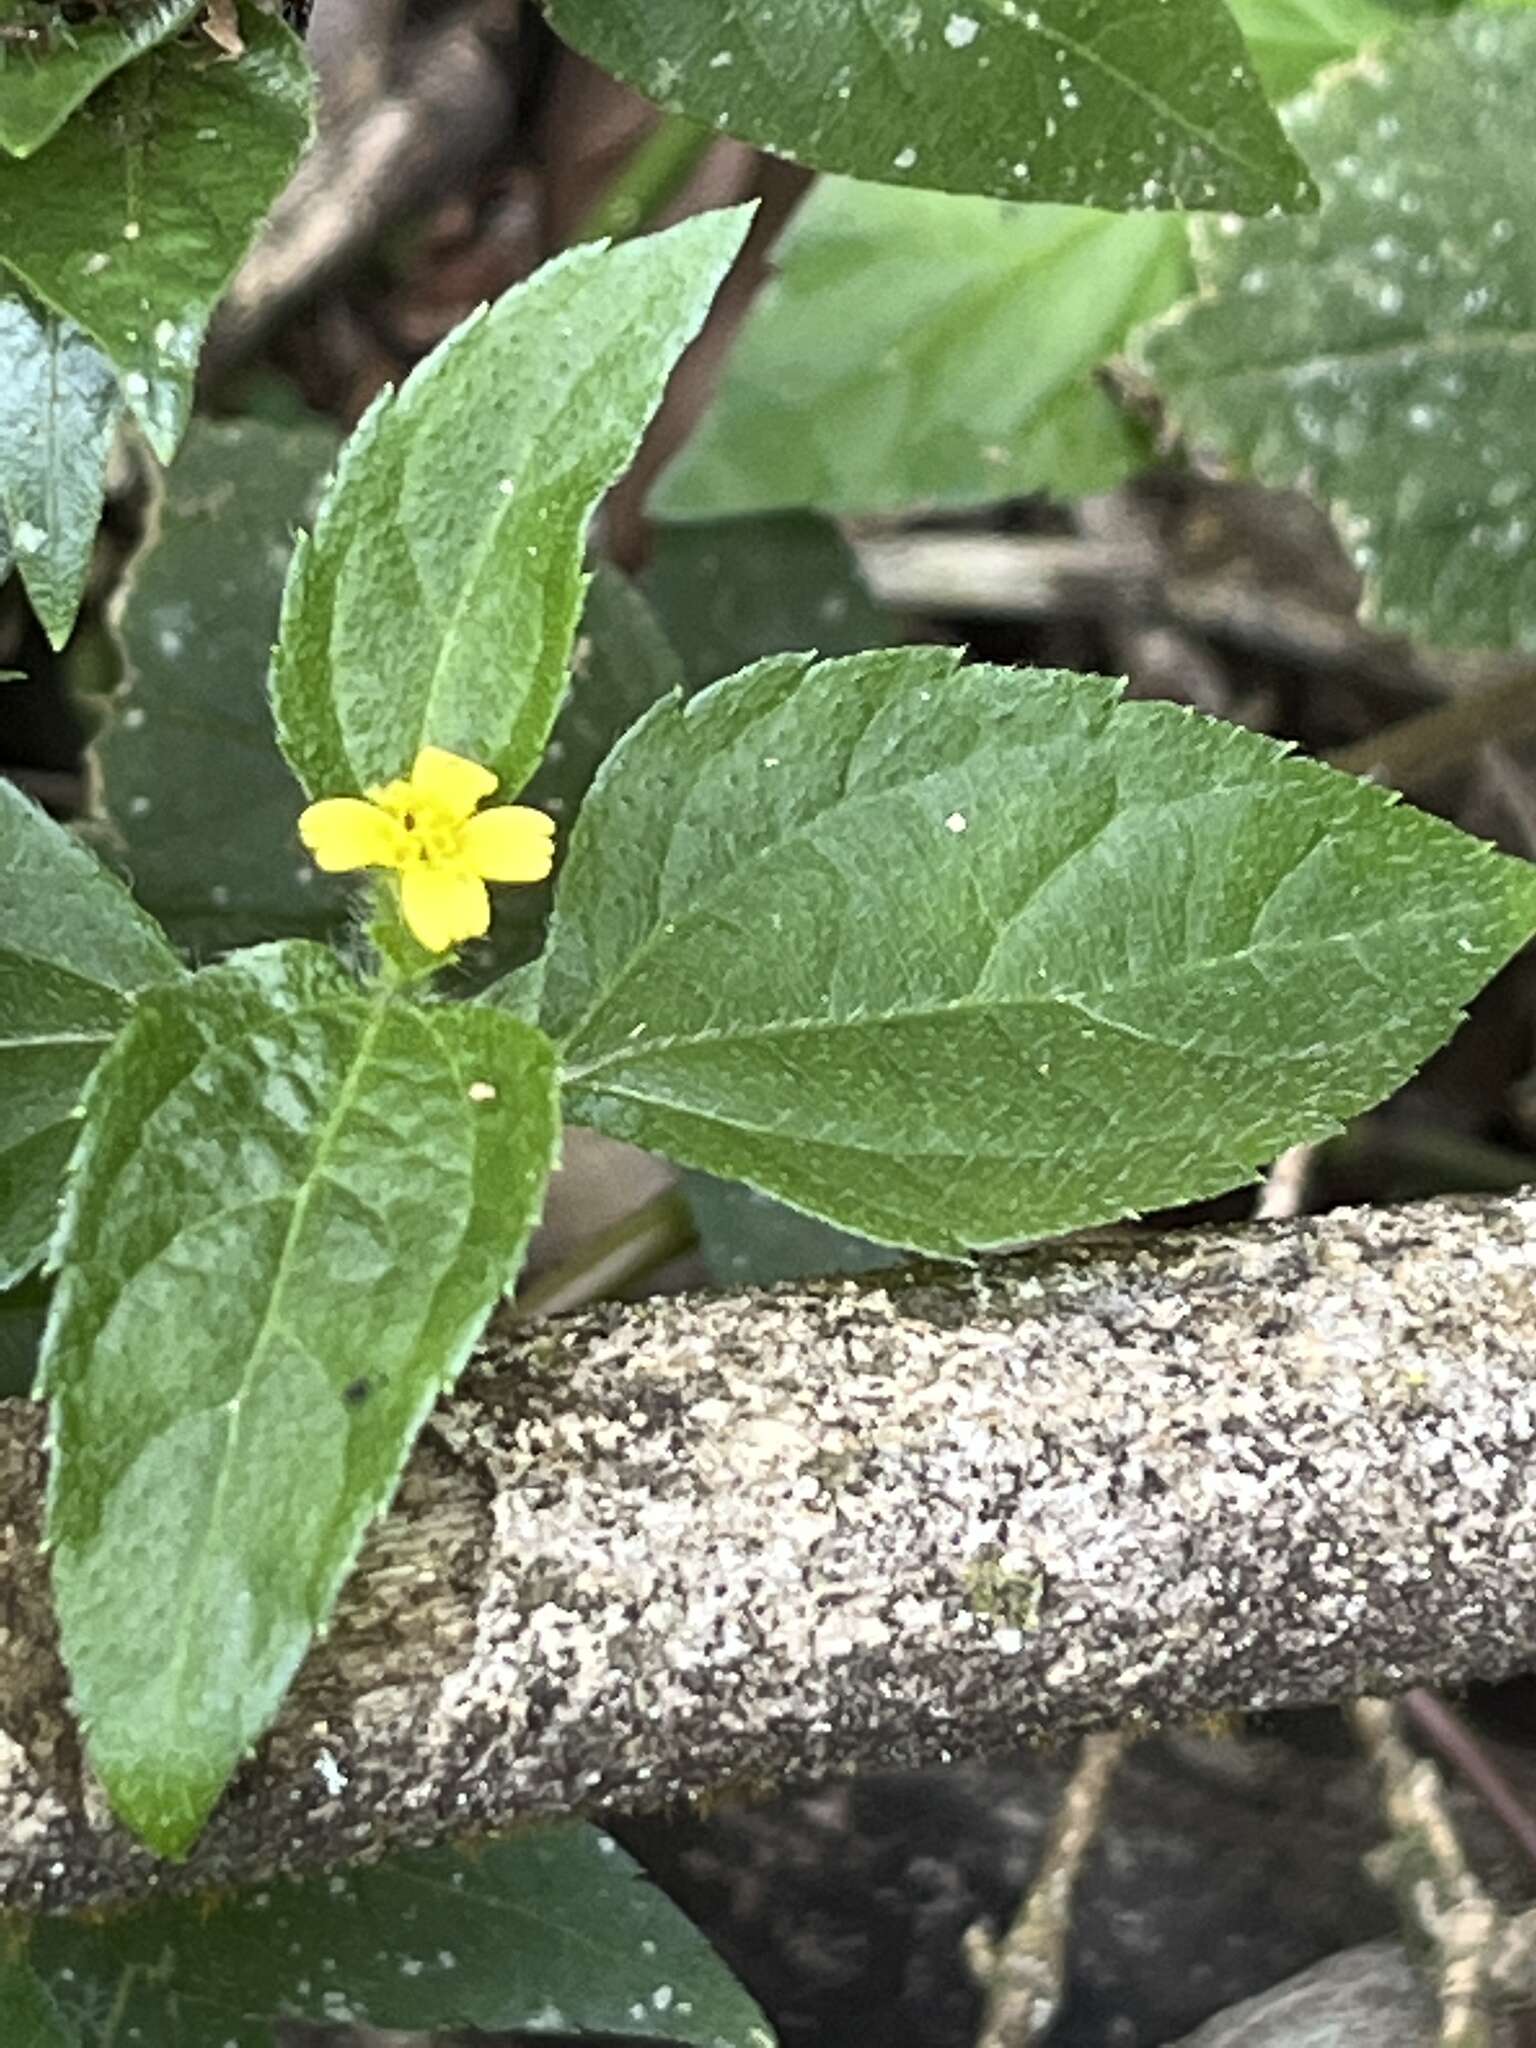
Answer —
426 827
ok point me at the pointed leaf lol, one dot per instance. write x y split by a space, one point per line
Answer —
731 591
1380 354
955 959
50 68
438 598
75 950
920 349
133 219
291 1210
203 805
1086 101
59 409
555 1930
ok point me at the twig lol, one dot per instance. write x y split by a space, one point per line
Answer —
694 1542
452 107
1023 1975
1444 1729
1285 1192
1419 752
1158 655
1446 1914
659 1231
60 789
981 575
653 174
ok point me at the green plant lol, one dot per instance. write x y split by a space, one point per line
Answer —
948 956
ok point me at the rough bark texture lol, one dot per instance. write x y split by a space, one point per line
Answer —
703 1544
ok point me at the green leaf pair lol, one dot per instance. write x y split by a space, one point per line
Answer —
117 237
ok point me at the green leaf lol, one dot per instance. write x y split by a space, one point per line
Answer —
730 592
919 349
1381 354
59 409
75 951
290 1212
1290 41
50 66
133 219
556 1930
438 598
202 804
1085 101
957 958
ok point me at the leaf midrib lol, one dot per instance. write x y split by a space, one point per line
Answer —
345 1097
467 591
1081 1000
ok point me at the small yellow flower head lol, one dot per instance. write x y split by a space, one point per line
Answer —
427 827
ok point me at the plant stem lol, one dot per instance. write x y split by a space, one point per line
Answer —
658 1231
654 172
1442 1727
1417 752
1024 1974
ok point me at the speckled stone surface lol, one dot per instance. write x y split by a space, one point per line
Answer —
724 1543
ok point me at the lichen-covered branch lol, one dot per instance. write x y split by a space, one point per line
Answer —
702 1545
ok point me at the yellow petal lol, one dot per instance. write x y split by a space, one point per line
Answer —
449 781
343 832
510 844
444 907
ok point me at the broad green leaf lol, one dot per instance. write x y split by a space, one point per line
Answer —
201 802
955 958
132 220
1086 101
729 592
290 1211
438 597
1291 40
75 951
921 349
23 1311
59 409
554 1931
1381 353
49 66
